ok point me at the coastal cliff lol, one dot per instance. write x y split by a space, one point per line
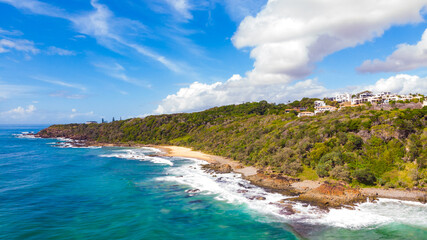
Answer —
359 147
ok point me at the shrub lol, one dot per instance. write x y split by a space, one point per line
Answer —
341 173
323 169
364 176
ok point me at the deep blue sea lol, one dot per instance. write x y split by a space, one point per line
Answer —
49 190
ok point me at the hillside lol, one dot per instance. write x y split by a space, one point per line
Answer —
357 145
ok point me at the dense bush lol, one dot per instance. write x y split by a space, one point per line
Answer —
364 176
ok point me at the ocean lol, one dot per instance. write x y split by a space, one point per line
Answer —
50 190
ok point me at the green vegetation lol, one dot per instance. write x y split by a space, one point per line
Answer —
356 145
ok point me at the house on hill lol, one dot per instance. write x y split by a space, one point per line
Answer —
306 114
325 109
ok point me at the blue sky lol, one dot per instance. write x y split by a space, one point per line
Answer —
78 60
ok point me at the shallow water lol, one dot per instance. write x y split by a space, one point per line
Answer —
51 191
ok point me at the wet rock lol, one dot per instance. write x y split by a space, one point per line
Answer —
242 191
192 190
256 198
287 210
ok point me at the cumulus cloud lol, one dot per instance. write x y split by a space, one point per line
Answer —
19 112
23 45
406 57
286 39
401 84
199 96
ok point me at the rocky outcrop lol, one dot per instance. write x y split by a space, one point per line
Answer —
219 168
274 182
332 195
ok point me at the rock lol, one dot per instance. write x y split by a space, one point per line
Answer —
277 183
422 199
219 168
242 191
287 210
192 190
332 195
256 198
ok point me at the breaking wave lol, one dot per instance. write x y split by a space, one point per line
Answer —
232 188
139 154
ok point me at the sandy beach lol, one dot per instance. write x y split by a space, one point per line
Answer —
175 151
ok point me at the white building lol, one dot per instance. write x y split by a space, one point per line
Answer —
319 104
345 97
90 122
306 114
325 109
424 103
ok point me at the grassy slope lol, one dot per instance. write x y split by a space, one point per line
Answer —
357 145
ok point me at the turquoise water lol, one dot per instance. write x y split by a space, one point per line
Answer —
51 192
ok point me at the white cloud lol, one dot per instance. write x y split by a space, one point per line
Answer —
401 84
75 113
183 7
37 7
288 37
107 29
10 33
60 83
117 71
199 96
19 112
406 57
59 51
6 45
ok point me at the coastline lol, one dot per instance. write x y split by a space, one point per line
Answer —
320 193
297 187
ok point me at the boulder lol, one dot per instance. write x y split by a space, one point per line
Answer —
332 195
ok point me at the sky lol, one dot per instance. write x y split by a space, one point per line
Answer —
79 60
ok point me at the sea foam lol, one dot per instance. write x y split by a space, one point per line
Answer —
139 154
232 188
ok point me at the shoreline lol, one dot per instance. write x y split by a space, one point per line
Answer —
320 193
298 187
